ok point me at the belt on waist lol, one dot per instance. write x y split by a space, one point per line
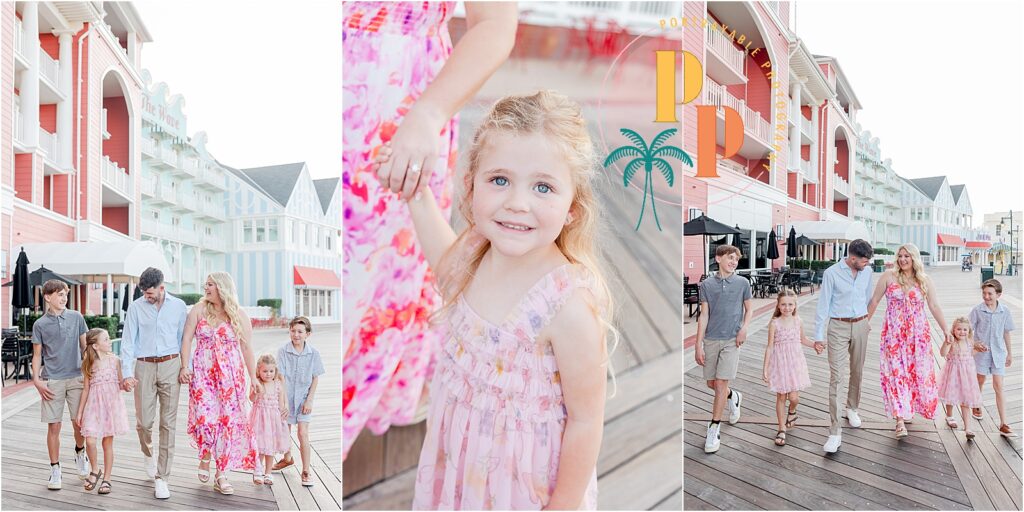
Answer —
851 320
158 359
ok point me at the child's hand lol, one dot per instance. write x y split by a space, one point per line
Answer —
980 347
764 376
284 414
382 157
307 407
44 391
78 419
819 347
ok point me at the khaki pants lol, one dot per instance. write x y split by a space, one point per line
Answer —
847 346
158 382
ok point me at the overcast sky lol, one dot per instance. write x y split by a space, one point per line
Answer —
263 79
940 85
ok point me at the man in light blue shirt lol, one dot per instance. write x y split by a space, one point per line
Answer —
843 311
150 363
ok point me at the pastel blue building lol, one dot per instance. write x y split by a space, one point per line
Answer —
285 228
937 218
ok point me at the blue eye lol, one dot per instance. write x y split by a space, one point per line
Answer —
500 181
543 188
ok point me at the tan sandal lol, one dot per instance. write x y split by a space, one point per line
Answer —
204 473
223 488
901 432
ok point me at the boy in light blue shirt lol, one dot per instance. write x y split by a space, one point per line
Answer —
992 323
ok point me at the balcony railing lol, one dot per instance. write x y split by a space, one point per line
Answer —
841 185
48 68
722 46
169 156
213 243
116 177
48 143
716 94
149 146
186 201
19 36
805 127
807 171
210 177
103 125
19 125
189 165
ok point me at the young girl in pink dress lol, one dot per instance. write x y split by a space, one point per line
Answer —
268 418
101 411
517 398
785 368
958 383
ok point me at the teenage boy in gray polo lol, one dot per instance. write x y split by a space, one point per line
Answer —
58 338
725 310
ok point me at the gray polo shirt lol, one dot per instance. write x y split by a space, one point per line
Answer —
59 335
725 304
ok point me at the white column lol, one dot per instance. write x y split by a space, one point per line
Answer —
64 122
28 87
109 308
794 129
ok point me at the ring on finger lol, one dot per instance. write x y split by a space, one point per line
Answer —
414 168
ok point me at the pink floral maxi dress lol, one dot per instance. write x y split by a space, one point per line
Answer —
104 413
218 412
494 430
907 366
391 53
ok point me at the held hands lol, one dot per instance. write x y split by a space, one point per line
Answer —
410 156
819 347
184 375
256 387
284 413
980 347
44 391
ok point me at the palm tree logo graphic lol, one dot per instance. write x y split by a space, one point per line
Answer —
648 157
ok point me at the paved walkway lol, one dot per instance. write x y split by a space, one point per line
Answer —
25 462
934 468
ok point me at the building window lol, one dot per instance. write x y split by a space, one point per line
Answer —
330 236
316 237
295 232
247 231
298 302
261 231
271 230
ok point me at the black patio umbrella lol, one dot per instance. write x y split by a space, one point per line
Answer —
124 297
138 293
791 251
705 226
737 241
803 240
21 297
773 247
41 275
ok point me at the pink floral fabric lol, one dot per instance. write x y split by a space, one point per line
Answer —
787 367
104 413
494 430
218 412
391 53
907 367
269 429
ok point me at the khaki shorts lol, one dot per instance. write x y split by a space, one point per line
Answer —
64 390
721 359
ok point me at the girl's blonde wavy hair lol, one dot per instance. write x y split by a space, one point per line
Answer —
228 299
962 320
91 355
559 119
916 268
265 359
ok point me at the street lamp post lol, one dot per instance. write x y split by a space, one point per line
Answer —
1009 272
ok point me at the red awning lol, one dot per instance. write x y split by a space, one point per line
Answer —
318 277
951 240
979 245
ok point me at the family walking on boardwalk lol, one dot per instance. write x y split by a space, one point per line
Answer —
975 347
156 358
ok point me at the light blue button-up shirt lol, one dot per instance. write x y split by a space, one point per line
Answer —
842 295
152 332
989 327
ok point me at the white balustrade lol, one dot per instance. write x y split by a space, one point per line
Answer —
116 177
48 67
716 94
722 46
48 143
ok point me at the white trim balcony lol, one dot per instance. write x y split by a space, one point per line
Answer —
19 125
148 187
49 69
149 148
809 175
840 185
726 64
103 125
117 178
716 94
187 166
184 202
169 157
213 243
806 129
19 37
211 179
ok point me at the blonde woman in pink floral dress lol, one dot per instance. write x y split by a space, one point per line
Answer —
403 84
907 366
218 407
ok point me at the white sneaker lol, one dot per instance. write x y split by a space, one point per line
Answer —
851 415
82 463
161 492
734 407
54 483
713 439
150 464
832 445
